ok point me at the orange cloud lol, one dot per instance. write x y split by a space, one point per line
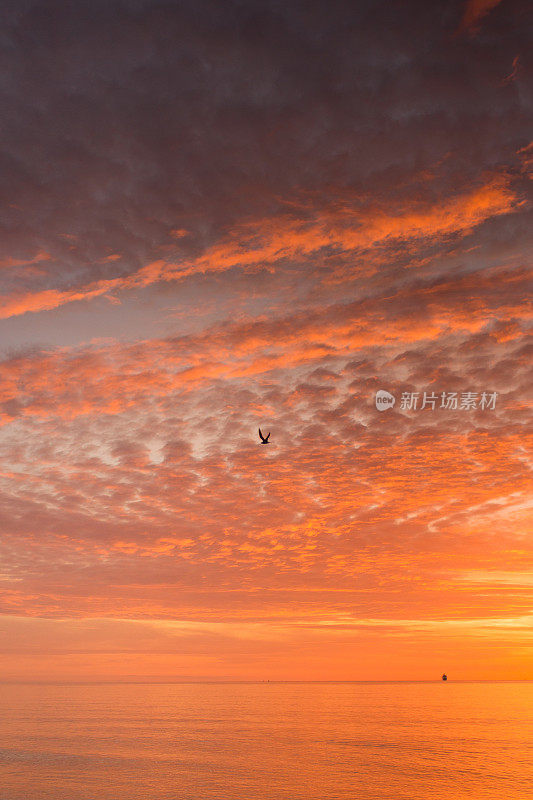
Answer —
24 262
269 242
474 11
117 377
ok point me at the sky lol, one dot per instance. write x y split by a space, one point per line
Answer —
220 216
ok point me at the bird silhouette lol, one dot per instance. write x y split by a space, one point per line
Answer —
264 439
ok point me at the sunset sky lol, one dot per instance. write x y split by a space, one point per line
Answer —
219 215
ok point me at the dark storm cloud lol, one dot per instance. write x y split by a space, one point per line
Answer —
123 121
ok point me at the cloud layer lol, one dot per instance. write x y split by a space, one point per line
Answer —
281 209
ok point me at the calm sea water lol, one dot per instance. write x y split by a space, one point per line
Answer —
270 741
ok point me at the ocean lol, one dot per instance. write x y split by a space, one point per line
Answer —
267 741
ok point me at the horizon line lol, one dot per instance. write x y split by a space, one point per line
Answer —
196 681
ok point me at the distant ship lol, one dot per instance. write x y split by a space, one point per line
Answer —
444 677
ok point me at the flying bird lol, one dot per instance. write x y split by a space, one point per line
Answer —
264 439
